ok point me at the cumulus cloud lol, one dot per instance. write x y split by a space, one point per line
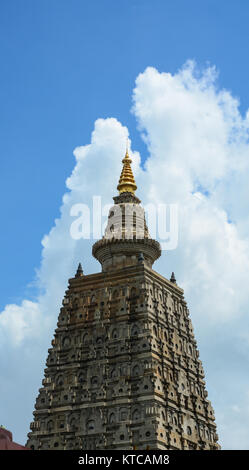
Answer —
198 159
19 322
198 141
26 330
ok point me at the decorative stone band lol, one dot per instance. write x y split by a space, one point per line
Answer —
117 254
126 197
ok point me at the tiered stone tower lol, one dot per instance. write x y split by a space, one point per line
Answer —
124 371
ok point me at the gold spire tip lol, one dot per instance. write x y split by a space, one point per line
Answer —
127 182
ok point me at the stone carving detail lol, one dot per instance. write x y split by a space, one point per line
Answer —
134 380
124 371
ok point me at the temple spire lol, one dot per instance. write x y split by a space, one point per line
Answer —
79 272
127 182
173 279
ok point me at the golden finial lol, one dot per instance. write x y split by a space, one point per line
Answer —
127 182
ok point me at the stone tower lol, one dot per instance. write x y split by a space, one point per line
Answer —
124 371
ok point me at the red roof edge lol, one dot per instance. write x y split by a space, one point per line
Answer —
6 441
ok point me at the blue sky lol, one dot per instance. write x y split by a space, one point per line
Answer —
65 64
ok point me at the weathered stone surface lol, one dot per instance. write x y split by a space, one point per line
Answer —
123 370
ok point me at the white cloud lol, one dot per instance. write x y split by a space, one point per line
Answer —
26 330
199 153
191 129
198 144
18 322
